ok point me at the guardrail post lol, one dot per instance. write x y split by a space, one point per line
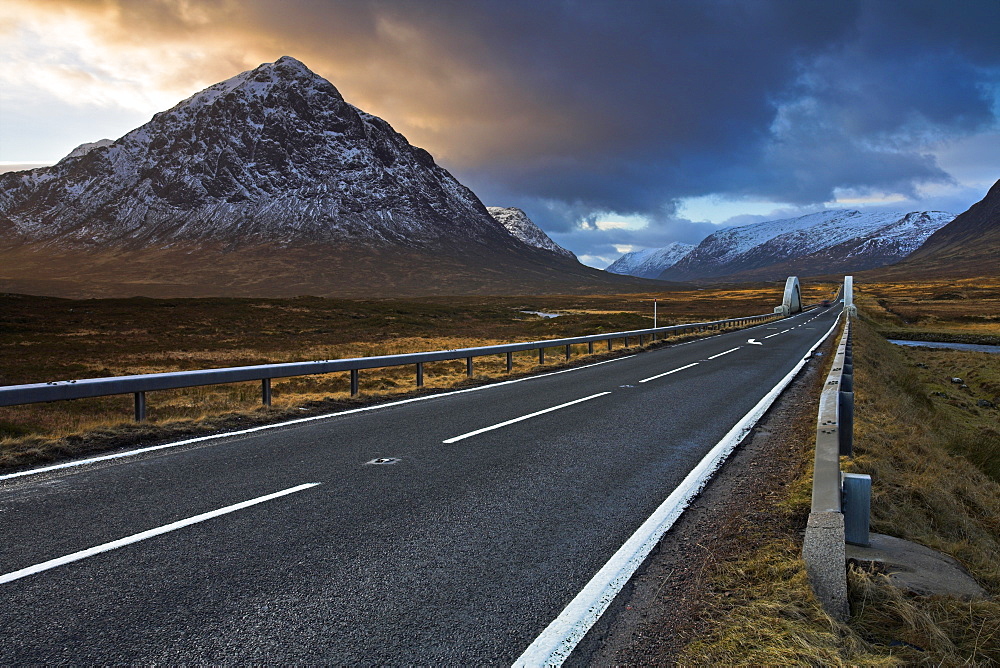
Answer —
420 374
847 382
567 351
857 508
846 431
140 406
265 391
354 382
590 347
468 367
541 355
626 341
640 340
510 362
609 344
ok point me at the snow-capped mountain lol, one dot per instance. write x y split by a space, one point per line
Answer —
817 243
650 262
967 246
271 155
517 223
267 184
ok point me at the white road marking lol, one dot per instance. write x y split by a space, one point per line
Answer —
661 375
561 636
523 417
770 335
135 538
725 353
313 418
754 342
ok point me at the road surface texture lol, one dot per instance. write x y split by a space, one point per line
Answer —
495 508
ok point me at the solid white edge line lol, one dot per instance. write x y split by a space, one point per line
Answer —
135 538
661 375
554 645
455 439
313 418
725 353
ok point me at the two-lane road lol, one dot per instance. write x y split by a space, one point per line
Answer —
286 544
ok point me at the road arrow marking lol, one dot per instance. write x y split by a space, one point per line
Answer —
753 342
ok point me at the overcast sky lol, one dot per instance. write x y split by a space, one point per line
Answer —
614 125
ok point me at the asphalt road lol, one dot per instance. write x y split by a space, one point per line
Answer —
461 552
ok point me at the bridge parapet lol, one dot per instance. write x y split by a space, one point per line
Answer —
791 301
849 296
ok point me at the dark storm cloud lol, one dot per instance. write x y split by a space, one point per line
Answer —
628 107
575 109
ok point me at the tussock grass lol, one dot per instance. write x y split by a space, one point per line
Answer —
933 482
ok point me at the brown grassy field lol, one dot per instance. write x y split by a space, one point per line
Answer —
964 310
43 339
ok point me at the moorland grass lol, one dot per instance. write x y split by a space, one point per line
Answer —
957 310
43 339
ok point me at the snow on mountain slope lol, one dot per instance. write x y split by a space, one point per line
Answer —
273 155
650 262
815 243
517 223
84 149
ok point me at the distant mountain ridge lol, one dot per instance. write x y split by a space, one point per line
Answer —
817 243
650 262
517 223
266 184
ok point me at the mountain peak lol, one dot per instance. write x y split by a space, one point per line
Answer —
524 229
650 262
272 155
260 81
289 62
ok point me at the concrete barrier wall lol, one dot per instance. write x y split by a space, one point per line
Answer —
824 549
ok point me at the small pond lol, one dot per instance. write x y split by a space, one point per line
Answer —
978 347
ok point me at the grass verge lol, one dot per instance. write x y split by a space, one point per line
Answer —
932 462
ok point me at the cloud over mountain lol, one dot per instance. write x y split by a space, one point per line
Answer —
575 110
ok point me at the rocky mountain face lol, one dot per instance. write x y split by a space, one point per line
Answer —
268 172
517 223
650 262
272 155
818 243
967 246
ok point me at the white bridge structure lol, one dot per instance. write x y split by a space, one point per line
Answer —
791 302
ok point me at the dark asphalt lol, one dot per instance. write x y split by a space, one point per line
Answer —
460 553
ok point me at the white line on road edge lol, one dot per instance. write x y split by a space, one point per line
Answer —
287 423
661 375
135 538
560 637
725 353
523 417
